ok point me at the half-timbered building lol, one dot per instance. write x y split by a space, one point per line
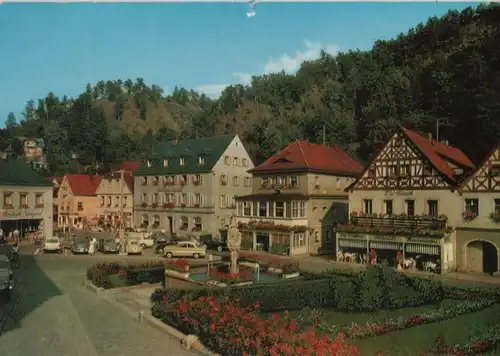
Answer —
405 200
478 232
298 195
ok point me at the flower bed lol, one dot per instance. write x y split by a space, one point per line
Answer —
181 265
286 268
130 274
229 329
231 278
374 329
478 345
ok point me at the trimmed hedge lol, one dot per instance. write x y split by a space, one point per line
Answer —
377 288
134 274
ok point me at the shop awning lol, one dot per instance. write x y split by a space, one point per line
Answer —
385 245
351 243
423 249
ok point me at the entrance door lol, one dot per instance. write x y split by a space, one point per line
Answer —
490 258
482 256
262 240
171 224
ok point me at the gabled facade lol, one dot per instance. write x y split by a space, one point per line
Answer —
478 233
191 185
116 196
77 200
407 198
298 195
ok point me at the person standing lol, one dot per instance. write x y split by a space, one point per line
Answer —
92 246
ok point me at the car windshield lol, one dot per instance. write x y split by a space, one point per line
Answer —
52 241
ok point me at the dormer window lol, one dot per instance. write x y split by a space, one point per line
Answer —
165 162
201 160
148 163
181 161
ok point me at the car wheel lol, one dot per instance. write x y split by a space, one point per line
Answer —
169 255
196 256
219 248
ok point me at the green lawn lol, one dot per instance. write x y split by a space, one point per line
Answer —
415 340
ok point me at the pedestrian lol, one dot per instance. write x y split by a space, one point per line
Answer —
92 246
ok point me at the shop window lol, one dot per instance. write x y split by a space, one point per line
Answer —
299 240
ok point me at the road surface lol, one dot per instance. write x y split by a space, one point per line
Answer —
52 313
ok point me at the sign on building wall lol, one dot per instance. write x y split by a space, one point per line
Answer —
22 214
399 193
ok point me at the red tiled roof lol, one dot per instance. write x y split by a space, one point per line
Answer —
303 155
83 184
130 166
129 180
438 153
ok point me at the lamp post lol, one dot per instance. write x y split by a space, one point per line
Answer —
121 224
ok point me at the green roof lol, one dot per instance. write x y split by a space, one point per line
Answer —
16 172
210 148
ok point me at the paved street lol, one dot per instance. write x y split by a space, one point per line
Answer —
52 314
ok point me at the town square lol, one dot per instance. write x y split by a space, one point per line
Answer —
342 200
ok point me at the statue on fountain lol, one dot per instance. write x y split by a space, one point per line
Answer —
233 244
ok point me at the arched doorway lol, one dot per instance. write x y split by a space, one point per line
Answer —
481 256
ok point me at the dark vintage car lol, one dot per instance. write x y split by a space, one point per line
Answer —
80 245
6 279
212 244
108 246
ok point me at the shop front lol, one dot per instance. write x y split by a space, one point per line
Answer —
290 243
25 221
387 246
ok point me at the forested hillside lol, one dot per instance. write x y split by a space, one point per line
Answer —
447 69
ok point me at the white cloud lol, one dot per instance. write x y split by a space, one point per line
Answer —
285 62
212 89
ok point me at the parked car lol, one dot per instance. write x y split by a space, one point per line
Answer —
80 245
52 244
211 244
164 241
108 246
6 279
134 248
147 241
185 249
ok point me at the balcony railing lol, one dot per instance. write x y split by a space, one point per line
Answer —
398 225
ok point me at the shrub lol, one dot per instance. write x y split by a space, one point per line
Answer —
229 329
135 276
99 273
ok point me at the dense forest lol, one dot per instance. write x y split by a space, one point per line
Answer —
446 71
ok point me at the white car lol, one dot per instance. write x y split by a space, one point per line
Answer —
52 244
134 248
146 242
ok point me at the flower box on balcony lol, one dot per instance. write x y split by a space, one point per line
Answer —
495 217
469 215
24 206
165 183
154 205
196 229
155 182
144 205
168 205
197 205
183 228
39 206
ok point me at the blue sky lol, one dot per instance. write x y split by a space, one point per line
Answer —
62 47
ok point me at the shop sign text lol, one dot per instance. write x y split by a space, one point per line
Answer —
22 214
399 193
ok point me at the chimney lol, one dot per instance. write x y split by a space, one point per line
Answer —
429 136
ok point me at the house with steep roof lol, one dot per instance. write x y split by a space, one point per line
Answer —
115 194
406 200
298 196
77 201
26 199
478 231
190 185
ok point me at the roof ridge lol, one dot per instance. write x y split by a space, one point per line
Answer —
302 153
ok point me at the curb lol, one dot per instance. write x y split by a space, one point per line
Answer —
188 341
